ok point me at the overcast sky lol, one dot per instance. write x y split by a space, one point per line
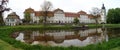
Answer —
19 6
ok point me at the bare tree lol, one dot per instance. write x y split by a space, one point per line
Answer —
95 12
46 7
3 7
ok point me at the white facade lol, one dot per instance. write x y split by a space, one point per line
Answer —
34 18
86 19
59 17
12 22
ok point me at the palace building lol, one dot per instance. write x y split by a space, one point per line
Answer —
59 16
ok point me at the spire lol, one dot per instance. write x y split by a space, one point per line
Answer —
103 7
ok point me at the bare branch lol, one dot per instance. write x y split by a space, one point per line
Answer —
4 2
3 8
46 6
95 11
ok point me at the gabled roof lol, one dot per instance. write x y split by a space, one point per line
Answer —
12 15
58 10
29 10
82 12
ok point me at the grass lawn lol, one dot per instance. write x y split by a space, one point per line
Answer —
106 25
60 26
117 48
6 46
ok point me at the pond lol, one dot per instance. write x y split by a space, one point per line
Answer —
66 38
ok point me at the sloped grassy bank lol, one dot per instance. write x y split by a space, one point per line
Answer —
6 31
6 46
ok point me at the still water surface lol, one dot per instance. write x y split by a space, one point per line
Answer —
66 37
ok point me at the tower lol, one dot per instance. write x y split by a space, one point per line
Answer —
103 14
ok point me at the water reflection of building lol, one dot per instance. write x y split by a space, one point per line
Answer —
20 37
65 37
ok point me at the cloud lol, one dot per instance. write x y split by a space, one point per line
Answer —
67 5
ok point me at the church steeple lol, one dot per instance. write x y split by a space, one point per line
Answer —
103 14
103 7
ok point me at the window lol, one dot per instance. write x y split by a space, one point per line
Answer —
7 20
12 19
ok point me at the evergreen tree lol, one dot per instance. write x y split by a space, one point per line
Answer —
76 21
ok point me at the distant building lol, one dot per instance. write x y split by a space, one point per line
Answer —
12 19
59 16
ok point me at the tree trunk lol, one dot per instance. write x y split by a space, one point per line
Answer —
45 17
1 19
96 23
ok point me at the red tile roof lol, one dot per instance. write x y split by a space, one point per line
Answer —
51 13
41 13
91 16
69 14
37 13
